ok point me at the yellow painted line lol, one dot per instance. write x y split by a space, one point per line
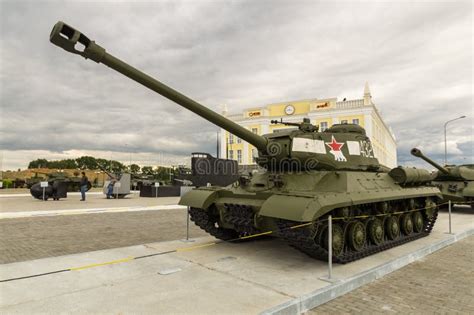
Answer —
185 249
301 225
255 235
118 261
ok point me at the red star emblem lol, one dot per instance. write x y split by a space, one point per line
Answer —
334 145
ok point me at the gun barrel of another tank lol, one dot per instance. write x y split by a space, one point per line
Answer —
105 171
69 39
416 152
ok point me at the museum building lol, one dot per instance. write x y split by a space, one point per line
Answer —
323 113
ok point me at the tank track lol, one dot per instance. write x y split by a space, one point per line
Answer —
302 240
208 223
242 217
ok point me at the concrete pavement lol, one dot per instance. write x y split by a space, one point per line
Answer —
249 277
49 213
93 201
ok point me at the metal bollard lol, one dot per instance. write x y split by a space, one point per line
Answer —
157 184
187 227
449 210
330 248
329 278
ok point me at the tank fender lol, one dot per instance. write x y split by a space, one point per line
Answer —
277 206
199 198
305 209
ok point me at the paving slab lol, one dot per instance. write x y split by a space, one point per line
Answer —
29 238
93 201
49 213
440 283
249 277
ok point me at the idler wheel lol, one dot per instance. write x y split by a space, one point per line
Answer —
406 223
376 231
392 228
417 222
430 209
337 240
356 236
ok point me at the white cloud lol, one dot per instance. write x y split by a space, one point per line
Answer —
417 57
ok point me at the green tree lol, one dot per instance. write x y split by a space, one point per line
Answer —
134 169
117 167
103 163
162 173
86 162
38 163
147 170
69 163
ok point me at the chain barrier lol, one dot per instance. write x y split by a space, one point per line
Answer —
191 248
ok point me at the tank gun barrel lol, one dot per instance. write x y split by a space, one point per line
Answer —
75 42
105 171
416 152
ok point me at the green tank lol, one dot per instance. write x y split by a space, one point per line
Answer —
73 183
33 180
456 182
306 176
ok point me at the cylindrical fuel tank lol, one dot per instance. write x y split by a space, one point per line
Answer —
409 175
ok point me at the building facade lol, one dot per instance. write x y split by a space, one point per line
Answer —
323 113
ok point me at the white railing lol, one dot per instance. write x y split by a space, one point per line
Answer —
350 104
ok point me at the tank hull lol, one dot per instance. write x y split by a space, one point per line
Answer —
296 207
457 191
55 190
456 182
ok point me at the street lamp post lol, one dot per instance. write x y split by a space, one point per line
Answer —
127 146
445 142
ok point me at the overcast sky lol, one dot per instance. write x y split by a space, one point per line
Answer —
416 56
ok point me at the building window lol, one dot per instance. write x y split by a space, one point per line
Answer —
255 131
239 156
231 154
231 138
239 140
344 121
323 125
254 155
355 121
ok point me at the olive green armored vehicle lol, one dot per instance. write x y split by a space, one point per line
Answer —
308 175
456 182
73 183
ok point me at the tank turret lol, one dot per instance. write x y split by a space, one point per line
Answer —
303 148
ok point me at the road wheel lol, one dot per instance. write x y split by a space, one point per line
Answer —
406 224
392 227
356 236
337 240
417 222
376 231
